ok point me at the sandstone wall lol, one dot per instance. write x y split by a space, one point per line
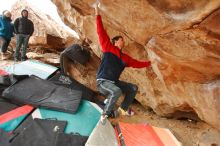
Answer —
184 37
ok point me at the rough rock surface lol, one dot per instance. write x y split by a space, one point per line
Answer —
184 37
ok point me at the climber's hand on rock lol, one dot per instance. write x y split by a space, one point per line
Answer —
97 6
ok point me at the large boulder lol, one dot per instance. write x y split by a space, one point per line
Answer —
183 36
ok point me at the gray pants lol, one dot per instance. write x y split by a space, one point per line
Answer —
21 39
113 91
4 43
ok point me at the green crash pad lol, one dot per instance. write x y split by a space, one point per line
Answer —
82 122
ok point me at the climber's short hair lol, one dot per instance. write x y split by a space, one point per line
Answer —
116 38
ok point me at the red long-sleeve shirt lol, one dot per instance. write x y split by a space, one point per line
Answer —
114 61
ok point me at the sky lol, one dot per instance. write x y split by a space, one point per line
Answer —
46 6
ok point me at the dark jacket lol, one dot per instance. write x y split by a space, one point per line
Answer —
113 61
23 25
6 28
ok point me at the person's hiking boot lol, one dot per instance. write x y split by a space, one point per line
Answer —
24 58
103 119
122 112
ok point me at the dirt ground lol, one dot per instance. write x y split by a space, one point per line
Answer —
188 132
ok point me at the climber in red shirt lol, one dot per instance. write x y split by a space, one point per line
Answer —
113 63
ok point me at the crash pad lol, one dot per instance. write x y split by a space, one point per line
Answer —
102 135
42 93
40 132
32 67
11 119
64 80
82 122
3 72
146 135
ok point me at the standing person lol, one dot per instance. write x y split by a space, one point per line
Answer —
6 32
113 63
24 28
